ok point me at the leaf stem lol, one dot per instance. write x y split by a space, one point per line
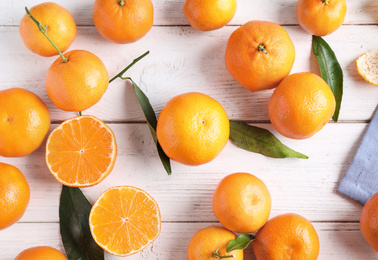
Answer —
119 75
43 30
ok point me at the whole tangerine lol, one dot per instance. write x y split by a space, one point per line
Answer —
14 195
192 128
321 17
40 253
123 21
286 236
24 122
242 202
210 14
207 240
77 83
369 221
57 22
301 105
259 55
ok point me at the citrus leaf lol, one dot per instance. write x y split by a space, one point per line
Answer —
150 116
330 70
74 210
259 140
239 243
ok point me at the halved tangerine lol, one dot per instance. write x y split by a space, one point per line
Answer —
81 151
125 220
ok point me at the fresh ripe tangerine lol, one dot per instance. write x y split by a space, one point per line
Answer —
81 151
259 55
123 21
242 202
40 253
24 122
208 240
321 17
125 220
286 236
192 128
301 105
78 83
58 23
367 67
14 195
210 14
369 221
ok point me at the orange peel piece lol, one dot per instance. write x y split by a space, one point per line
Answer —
367 66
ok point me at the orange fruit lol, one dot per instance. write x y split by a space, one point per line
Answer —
40 253
208 240
14 195
321 17
301 105
123 21
81 151
369 221
59 26
367 67
287 236
125 220
24 122
209 14
192 128
242 202
259 55
77 84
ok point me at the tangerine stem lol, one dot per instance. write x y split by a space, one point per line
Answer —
42 29
217 255
325 2
119 75
80 114
262 48
121 2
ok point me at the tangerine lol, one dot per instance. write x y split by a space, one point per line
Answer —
210 14
58 24
24 122
301 105
123 21
40 253
192 128
242 202
14 195
369 221
259 55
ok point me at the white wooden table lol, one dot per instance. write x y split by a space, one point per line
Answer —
182 59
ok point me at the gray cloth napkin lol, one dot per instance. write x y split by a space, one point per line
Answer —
360 181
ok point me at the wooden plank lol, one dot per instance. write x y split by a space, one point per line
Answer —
337 241
170 12
307 187
183 60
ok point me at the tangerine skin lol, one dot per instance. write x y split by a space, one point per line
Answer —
254 69
61 28
77 84
287 237
369 222
24 122
123 24
321 19
14 195
40 253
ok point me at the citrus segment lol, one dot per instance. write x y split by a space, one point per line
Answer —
81 151
125 220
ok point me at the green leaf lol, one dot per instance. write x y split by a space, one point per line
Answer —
259 140
150 116
76 236
330 70
239 243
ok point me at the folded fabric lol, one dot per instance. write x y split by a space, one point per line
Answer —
360 181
